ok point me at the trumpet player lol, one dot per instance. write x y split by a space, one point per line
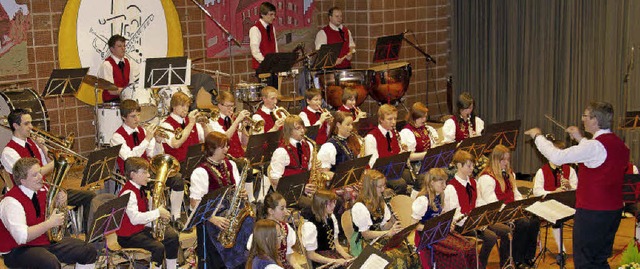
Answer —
314 114
265 112
349 97
135 230
24 226
22 145
229 125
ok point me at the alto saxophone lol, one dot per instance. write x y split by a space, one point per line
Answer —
316 177
61 165
164 166
236 214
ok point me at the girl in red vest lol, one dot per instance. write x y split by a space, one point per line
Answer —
498 183
314 114
464 123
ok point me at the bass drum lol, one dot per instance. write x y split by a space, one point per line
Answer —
148 107
333 83
390 82
26 99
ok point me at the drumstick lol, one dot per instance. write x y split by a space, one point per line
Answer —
555 122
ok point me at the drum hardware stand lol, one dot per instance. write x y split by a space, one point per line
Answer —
428 59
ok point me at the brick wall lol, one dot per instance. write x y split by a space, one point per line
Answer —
429 20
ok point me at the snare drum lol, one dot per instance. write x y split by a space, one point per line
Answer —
148 105
26 99
390 81
249 92
109 121
333 83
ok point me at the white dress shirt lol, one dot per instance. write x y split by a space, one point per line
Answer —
321 37
419 207
449 129
305 118
409 138
133 212
588 151
257 116
487 189
200 181
14 217
149 146
371 145
255 38
291 239
280 159
105 71
11 156
327 154
362 217
538 182
310 234
451 200
180 120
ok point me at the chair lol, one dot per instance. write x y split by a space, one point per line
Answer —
124 255
347 223
401 206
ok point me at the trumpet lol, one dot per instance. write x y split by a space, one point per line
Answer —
164 132
280 113
252 126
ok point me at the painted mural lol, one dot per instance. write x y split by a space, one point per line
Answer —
14 23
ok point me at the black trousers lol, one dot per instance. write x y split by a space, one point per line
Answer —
68 250
593 234
168 248
489 237
399 186
81 198
525 239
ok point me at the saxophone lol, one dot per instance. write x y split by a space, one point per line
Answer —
61 165
164 166
236 214
316 177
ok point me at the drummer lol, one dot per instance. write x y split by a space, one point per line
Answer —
117 69
335 32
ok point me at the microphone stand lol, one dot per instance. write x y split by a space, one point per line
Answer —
230 40
428 59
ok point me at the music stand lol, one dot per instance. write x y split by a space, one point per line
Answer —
195 154
388 48
515 210
100 165
64 82
630 120
312 132
397 239
349 172
326 56
392 166
504 133
277 62
434 231
480 217
261 146
474 145
371 258
556 208
292 187
109 218
165 72
440 156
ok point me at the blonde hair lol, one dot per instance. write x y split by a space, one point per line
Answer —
369 195
434 175
267 90
180 99
493 167
386 110
225 96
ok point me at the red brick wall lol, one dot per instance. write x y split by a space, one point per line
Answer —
429 20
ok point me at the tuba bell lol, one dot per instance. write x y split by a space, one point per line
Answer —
164 166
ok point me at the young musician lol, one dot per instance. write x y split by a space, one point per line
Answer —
24 225
498 183
294 154
117 69
214 172
135 230
313 114
336 32
263 253
372 219
383 142
464 124
22 145
262 39
349 98
320 232
265 113
552 178
418 136
603 161
229 124
136 141
452 252
461 194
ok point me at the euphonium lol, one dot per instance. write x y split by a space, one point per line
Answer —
239 210
316 177
164 166
61 166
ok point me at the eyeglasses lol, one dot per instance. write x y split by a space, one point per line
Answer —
231 106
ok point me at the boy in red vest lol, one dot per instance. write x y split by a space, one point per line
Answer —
229 124
116 69
135 230
24 225
265 112
313 115
335 32
262 39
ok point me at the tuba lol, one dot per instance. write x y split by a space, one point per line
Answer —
239 209
164 166
61 165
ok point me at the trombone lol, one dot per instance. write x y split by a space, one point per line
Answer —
57 144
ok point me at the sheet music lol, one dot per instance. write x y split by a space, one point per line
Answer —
551 210
374 262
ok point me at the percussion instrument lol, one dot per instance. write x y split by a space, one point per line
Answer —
333 83
148 105
249 92
390 81
99 82
22 98
109 121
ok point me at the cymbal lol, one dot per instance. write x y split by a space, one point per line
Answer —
99 82
283 98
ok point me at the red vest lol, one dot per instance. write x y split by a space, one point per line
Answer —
294 166
550 183
268 120
266 46
322 131
506 196
181 152
350 110
466 205
216 182
119 79
423 140
334 37
460 133
128 139
127 228
600 188
24 153
8 242
235 146
381 143
629 169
